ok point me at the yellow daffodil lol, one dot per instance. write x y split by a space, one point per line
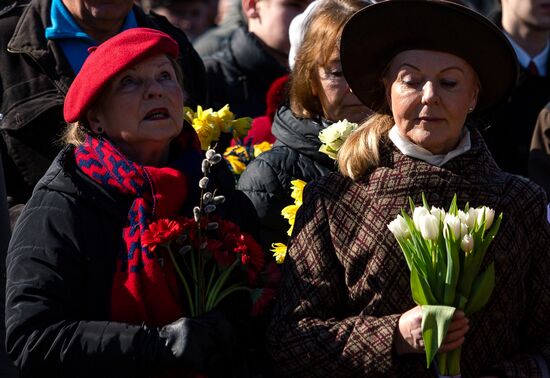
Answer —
241 126
261 147
289 213
279 252
225 118
209 124
237 166
297 191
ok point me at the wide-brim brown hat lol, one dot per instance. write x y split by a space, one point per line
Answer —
375 34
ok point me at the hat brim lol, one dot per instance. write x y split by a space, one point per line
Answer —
375 34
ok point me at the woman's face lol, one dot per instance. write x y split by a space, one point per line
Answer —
430 94
337 100
141 109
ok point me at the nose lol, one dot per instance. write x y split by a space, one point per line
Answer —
153 89
429 93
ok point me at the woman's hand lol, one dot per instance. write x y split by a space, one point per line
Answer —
409 338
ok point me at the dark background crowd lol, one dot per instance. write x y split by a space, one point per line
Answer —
232 51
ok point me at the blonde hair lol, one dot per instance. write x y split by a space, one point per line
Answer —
359 154
321 39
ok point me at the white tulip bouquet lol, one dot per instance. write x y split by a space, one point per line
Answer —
444 252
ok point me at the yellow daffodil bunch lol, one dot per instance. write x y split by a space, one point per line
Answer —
238 156
209 124
334 136
289 213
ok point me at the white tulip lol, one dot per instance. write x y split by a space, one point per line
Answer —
438 213
418 213
489 216
399 228
429 227
467 243
463 230
469 218
453 222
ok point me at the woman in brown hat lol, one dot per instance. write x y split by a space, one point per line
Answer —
345 307
86 297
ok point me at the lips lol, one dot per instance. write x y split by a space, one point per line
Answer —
156 114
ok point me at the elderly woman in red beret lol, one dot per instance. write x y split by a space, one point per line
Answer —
85 297
345 307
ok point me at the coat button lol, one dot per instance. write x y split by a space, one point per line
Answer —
1 116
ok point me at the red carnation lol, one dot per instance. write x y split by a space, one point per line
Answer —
251 252
161 232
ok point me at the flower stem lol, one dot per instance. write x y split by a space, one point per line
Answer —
454 361
229 290
183 281
212 297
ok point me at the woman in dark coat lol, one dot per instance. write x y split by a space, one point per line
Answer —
345 307
85 296
319 96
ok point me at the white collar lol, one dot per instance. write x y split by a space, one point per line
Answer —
408 148
524 58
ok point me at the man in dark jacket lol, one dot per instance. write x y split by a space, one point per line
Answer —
38 61
527 26
241 73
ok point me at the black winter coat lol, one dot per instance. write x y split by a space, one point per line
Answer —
240 75
266 180
34 78
60 269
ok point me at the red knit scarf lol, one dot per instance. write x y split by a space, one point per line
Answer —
145 288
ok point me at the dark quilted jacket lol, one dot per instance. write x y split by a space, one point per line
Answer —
240 75
266 181
345 281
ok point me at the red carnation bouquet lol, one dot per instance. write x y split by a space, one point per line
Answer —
212 257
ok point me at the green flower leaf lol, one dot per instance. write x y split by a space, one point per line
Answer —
435 322
481 290
421 292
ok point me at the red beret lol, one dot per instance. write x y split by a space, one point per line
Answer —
109 59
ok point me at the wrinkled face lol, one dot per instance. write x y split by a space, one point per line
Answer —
141 107
92 11
430 94
192 17
534 13
274 17
336 98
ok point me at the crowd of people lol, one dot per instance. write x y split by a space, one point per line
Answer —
441 98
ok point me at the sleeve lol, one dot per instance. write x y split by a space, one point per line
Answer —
46 326
539 156
263 187
534 359
312 334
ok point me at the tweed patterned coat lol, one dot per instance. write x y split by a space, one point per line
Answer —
345 280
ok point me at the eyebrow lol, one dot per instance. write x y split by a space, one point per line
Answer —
158 65
443 70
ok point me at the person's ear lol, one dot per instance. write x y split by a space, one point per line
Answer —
94 121
250 8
